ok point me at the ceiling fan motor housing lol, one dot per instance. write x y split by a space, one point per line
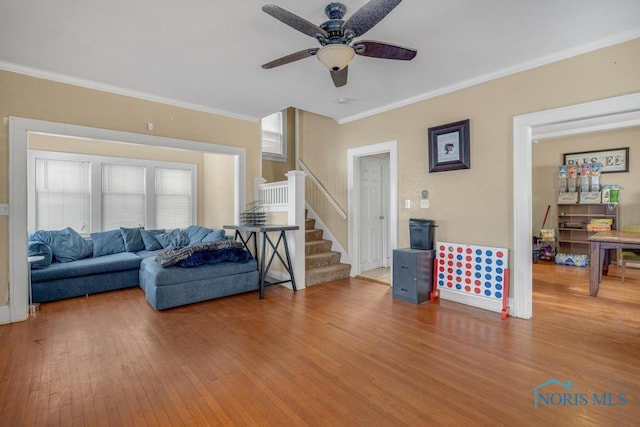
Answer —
335 12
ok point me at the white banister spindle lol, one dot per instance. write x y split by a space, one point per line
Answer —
274 196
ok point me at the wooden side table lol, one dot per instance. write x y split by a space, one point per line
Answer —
264 266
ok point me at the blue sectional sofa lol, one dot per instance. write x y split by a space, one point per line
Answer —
117 259
85 276
166 287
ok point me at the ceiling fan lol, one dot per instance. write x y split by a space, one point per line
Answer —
336 37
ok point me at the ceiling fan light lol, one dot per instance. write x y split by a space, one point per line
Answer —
335 56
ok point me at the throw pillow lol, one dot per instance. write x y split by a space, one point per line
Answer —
66 245
173 239
132 239
107 243
196 233
213 236
149 239
40 249
88 246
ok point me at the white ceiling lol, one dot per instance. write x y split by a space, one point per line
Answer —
206 54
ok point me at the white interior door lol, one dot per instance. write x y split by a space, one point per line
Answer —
373 213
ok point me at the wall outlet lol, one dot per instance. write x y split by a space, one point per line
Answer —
407 204
424 204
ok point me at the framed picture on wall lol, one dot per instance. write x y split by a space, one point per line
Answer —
614 160
449 147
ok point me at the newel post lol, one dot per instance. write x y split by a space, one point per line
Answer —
257 182
295 214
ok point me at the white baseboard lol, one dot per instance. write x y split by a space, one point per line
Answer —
344 256
470 299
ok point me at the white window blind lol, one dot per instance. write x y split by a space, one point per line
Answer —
100 193
173 198
62 194
123 196
273 136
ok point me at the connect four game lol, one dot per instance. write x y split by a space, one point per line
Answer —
474 275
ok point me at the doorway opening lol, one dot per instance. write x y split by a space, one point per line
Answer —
372 173
612 113
373 222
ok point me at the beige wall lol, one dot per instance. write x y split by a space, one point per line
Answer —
548 155
35 98
474 205
274 171
217 200
324 152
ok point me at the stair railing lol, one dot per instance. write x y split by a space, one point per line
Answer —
274 195
322 190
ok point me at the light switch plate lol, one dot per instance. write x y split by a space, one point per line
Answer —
424 204
407 204
4 209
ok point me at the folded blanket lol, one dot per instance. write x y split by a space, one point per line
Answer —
172 256
240 255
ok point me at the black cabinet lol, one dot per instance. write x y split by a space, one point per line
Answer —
412 274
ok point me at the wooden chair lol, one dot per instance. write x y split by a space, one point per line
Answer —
629 254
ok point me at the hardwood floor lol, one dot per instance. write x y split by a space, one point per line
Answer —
344 353
380 275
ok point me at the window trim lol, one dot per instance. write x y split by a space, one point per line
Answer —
95 211
283 157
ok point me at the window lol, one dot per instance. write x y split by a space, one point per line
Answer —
62 194
173 198
95 193
123 196
274 137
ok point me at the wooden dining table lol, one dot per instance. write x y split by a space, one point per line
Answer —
602 242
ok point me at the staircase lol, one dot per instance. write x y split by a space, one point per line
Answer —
322 265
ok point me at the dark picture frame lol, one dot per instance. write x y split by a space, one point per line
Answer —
449 147
612 160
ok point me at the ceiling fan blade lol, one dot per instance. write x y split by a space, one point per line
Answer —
369 15
339 77
384 50
291 58
294 20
